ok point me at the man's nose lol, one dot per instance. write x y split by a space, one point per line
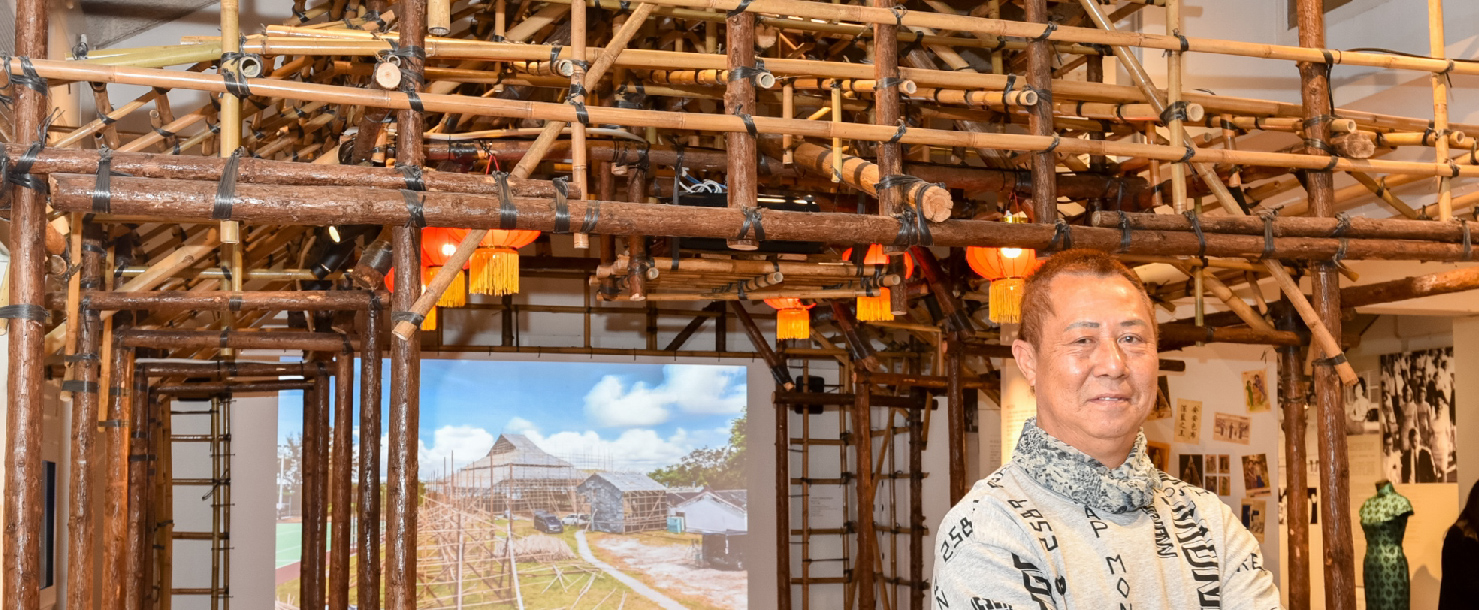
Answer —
1109 359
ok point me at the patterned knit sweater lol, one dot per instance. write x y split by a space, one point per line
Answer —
1055 528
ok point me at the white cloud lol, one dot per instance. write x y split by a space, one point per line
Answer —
461 444
633 450
686 388
519 425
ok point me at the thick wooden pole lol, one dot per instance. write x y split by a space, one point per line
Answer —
81 520
135 586
886 109
776 363
1292 395
783 506
955 414
342 481
27 274
1040 117
115 468
368 563
739 99
862 466
309 562
1335 521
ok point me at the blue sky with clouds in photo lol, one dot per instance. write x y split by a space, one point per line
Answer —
627 416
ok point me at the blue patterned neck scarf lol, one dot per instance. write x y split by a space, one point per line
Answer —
1078 477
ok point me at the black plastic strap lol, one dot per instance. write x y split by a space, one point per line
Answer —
79 386
1342 224
753 222
1332 361
225 339
233 302
592 216
1196 227
415 209
1468 243
230 69
1268 235
1175 112
1340 252
25 311
1191 151
899 135
508 215
1185 44
410 80
226 189
1125 230
749 121
102 189
749 73
28 77
407 316
576 98
913 230
1062 237
1054 146
735 12
562 204
1046 32
20 174
415 180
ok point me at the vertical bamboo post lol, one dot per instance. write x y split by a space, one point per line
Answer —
739 99
637 244
862 435
783 506
993 11
105 108
166 510
915 418
115 499
1292 397
886 109
341 480
315 433
405 351
134 585
27 277
1040 117
368 564
955 421
81 520
1173 103
578 152
1340 572
1438 49
837 141
230 140
306 496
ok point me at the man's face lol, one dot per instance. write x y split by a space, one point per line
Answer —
1094 367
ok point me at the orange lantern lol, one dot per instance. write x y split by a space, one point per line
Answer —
792 321
879 307
1007 269
495 264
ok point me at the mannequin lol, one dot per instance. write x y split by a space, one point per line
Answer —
1384 521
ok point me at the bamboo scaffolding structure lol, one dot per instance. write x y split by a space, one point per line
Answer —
933 202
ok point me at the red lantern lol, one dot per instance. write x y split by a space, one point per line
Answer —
791 320
1007 269
495 264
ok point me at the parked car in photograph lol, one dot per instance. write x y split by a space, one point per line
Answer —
547 522
576 519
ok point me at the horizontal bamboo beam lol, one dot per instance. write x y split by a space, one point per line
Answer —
1175 336
236 339
217 387
336 300
1296 226
185 200
478 106
229 368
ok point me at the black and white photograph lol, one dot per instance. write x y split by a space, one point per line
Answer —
1416 417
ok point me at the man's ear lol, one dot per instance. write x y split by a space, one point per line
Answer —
1026 356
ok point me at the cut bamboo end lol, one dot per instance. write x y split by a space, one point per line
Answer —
387 75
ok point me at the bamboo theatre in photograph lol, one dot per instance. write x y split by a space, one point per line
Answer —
731 304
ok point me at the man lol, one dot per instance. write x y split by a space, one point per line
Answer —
1080 518
1418 468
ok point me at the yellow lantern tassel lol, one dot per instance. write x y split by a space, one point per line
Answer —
456 294
792 324
495 271
430 321
1006 300
876 308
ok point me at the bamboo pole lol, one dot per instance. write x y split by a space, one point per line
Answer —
576 97
934 202
81 522
229 140
1174 61
115 469
1291 226
1438 48
742 179
886 110
862 428
1040 118
1292 393
341 479
367 563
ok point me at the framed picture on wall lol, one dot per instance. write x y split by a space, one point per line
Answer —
1189 468
1159 454
1255 474
1255 391
1162 408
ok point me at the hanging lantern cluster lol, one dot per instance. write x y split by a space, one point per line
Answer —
792 320
1007 270
495 264
878 307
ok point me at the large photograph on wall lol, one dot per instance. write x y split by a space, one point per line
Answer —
564 485
1413 408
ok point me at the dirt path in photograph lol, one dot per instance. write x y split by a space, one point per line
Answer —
636 585
671 568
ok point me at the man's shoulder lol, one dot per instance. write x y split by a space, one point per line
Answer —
989 496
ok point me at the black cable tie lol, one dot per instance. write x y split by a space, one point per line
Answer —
1185 44
415 179
28 77
562 204
1054 146
753 222
230 70
225 273
1046 32
913 229
1334 160
1196 227
79 50
1342 224
25 311
1454 167
749 121
226 189
899 135
1268 235
1332 361
576 98
234 302
749 73
1340 252
735 12
1062 237
1191 151
348 345
1125 231
508 215
1468 243
1175 112
78 386
298 12
415 209
592 216
102 189
20 174
407 316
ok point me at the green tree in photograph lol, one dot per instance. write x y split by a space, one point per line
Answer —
715 468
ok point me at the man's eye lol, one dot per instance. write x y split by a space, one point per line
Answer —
1132 339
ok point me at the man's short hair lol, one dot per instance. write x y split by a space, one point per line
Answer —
1037 303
